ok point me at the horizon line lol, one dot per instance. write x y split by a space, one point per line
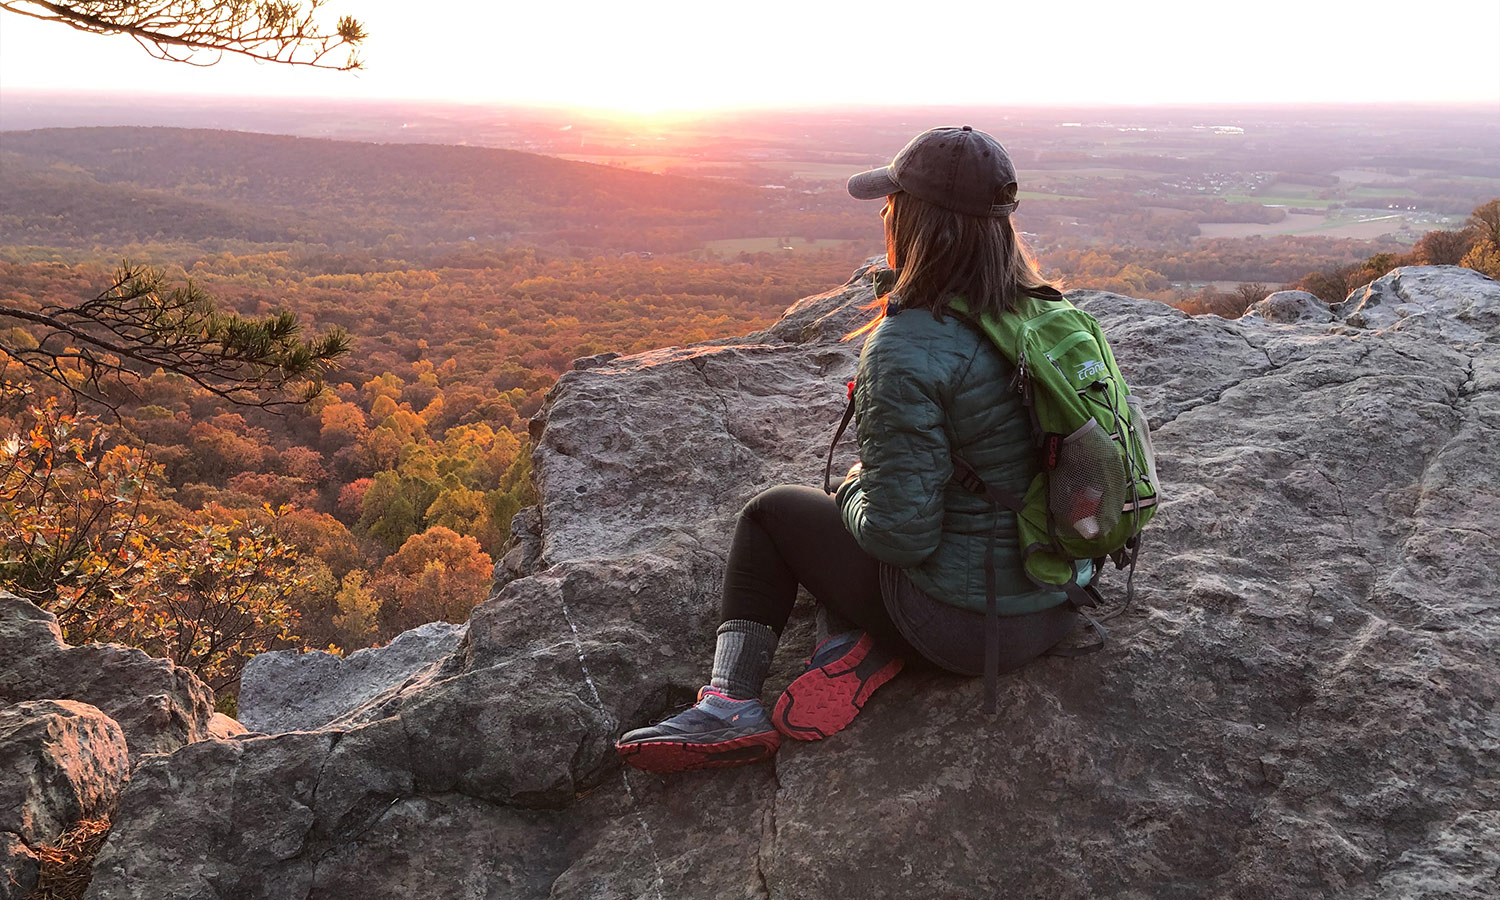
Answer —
805 107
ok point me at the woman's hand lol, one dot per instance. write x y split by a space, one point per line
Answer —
853 475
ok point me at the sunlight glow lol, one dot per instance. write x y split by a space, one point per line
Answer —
652 58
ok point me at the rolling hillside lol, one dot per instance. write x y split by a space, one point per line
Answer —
93 186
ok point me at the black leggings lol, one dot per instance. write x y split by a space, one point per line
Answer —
792 535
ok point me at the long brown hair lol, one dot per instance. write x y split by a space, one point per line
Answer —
939 254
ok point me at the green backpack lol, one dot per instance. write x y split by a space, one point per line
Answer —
1097 487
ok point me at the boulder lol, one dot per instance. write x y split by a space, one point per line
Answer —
1291 307
1300 703
222 727
60 761
159 706
290 691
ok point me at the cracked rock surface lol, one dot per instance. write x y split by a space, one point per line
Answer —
1301 703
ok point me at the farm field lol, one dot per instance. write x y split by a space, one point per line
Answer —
1088 172
1362 227
770 245
1369 192
1280 198
836 173
1040 195
1294 222
656 165
1366 176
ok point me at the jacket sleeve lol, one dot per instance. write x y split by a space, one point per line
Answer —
894 506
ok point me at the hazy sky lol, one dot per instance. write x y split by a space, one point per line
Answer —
653 56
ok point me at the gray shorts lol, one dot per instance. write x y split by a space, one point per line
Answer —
953 638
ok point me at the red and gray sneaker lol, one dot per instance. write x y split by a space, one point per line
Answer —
842 674
716 733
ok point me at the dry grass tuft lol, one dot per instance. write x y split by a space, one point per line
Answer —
68 865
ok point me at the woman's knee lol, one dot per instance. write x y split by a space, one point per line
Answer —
776 501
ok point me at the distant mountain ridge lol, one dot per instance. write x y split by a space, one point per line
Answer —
120 185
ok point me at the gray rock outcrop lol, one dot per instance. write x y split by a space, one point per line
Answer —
1303 702
158 705
1448 302
290 691
1291 307
60 761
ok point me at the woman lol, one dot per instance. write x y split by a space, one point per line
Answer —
898 552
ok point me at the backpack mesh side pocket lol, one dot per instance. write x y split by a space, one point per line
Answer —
1087 490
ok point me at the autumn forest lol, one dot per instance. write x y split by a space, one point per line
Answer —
449 287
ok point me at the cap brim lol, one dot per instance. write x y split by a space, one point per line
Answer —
873 185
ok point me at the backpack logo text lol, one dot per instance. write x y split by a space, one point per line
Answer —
1090 369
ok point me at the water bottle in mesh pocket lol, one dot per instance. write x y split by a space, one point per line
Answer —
1086 489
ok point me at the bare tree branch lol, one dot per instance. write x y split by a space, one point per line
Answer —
199 32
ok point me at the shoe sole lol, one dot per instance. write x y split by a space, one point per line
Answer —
823 701
665 757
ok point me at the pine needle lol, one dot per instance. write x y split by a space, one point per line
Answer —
68 865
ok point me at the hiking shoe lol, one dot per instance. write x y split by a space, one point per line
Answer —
716 733
842 674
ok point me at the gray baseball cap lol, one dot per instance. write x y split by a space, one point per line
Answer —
954 167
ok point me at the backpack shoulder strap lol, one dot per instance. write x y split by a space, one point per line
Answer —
843 425
969 479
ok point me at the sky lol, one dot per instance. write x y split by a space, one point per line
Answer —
653 57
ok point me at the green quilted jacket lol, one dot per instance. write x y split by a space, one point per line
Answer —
926 387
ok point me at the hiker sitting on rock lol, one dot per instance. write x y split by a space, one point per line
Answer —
899 551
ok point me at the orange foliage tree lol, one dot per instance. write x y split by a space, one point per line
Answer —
76 517
438 575
1484 254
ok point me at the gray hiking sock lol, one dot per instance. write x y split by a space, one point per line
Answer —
742 658
829 624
